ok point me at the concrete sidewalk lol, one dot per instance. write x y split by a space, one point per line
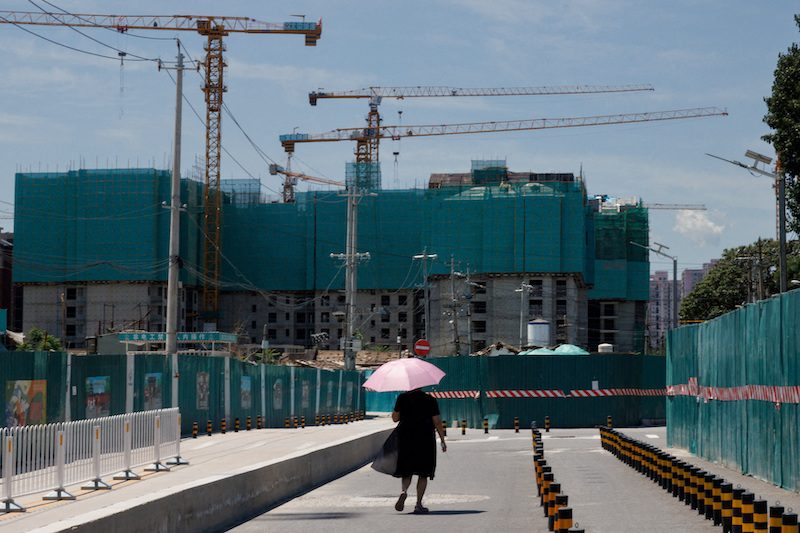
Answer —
229 477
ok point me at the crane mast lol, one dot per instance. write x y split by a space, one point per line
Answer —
214 29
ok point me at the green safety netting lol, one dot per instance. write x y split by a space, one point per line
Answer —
108 225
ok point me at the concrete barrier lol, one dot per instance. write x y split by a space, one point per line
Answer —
217 502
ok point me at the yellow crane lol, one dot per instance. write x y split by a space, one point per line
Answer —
214 29
367 146
362 135
291 178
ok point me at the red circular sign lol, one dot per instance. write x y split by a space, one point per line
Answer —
422 347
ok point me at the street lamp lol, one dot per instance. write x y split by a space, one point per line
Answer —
780 191
660 252
524 288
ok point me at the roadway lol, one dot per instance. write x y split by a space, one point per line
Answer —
486 483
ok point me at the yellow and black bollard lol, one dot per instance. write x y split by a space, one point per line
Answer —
760 523
316 420
223 426
789 523
336 418
194 430
561 501
549 508
286 423
775 519
485 425
609 422
303 422
236 425
463 426
747 511
295 422
248 423
516 424
547 424
329 420
564 520
717 497
736 523
209 428
258 422
547 480
727 507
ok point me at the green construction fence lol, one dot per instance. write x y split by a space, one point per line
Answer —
752 354
482 376
38 386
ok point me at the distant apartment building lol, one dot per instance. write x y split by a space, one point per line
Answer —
659 314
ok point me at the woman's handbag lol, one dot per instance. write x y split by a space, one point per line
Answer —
386 460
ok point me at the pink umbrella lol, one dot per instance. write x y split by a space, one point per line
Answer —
404 374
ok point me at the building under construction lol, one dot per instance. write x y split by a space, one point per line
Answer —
91 256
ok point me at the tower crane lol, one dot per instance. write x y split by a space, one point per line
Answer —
677 207
367 145
362 135
291 181
214 29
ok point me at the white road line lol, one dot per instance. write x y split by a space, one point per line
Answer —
651 436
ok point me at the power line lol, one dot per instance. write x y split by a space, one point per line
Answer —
121 52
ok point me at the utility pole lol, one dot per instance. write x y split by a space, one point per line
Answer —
424 256
351 258
760 272
174 214
454 305
173 277
524 290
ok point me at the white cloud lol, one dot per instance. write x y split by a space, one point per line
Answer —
697 227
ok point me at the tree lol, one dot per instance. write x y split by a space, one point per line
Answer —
735 278
38 340
783 116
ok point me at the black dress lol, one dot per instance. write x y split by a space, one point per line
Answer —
416 434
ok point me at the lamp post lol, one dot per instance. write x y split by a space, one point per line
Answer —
424 256
780 192
660 252
524 289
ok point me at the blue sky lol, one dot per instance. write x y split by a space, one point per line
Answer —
61 107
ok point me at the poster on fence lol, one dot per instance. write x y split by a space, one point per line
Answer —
152 391
98 396
202 391
305 390
246 394
277 395
329 395
26 402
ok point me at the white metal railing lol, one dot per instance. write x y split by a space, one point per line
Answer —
52 456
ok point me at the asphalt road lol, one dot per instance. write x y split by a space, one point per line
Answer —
486 484
482 484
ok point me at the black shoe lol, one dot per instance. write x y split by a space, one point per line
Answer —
419 509
401 502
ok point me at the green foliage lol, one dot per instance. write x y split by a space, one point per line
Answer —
783 116
38 340
726 285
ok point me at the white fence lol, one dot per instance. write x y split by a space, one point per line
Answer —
53 456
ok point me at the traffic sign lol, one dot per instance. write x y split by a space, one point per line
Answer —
422 347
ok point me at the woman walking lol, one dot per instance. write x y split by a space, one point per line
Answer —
418 417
